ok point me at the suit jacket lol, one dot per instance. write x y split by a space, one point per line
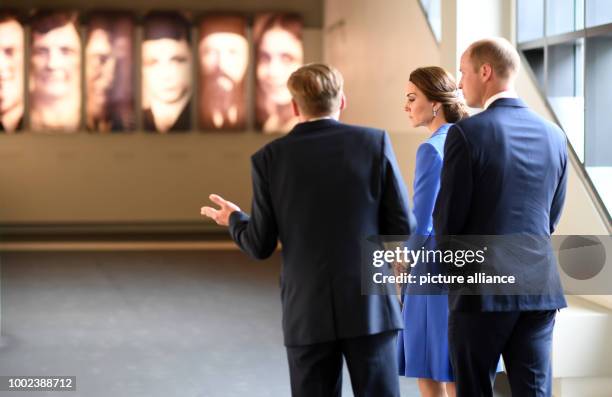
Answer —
323 189
504 173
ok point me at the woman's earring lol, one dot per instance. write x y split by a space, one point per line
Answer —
435 112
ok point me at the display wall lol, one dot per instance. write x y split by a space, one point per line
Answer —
181 87
94 181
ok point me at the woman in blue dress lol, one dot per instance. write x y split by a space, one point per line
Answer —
431 102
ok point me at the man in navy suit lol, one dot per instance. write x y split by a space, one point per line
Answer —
504 172
323 189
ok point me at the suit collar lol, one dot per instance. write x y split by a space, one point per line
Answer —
508 102
315 125
501 94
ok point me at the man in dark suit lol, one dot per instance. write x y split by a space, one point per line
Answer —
323 189
504 172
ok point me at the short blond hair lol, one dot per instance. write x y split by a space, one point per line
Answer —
497 52
316 88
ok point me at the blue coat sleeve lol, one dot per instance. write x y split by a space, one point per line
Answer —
256 235
454 199
426 186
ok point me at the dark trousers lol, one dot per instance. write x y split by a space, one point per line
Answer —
523 339
316 370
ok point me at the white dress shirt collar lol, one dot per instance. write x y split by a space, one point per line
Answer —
318 118
499 95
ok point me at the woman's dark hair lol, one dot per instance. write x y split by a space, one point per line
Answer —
439 86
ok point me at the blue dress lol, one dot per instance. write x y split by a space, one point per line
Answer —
423 343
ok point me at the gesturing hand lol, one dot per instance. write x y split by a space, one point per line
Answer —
221 216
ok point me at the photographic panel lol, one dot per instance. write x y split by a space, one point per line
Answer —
55 71
279 52
223 58
166 72
109 69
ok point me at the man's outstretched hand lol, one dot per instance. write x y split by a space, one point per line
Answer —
221 215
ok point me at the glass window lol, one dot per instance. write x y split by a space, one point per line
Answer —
579 15
565 90
432 10
530 19
575 76
535 58
599 12
599 101
560 16
598 141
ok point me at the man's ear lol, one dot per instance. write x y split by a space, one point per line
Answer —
486 72
296 109
342 102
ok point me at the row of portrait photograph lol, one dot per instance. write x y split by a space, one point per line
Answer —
56 75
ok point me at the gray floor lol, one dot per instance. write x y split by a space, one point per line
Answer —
194 324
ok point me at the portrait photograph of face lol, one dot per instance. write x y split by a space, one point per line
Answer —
109 95
166 72
55 72
279 51
223 52
11 73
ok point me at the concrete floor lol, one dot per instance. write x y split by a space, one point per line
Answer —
189 324
194 324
